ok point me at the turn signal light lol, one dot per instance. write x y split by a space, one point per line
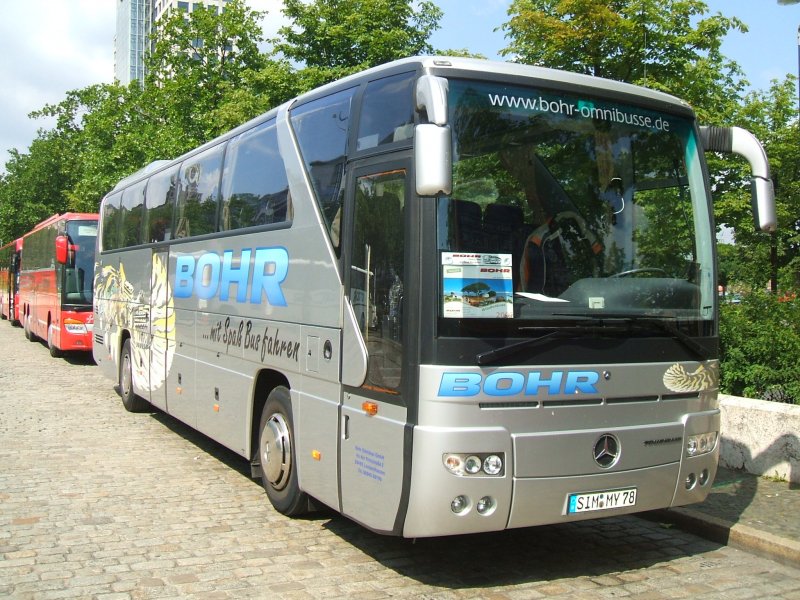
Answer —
371 408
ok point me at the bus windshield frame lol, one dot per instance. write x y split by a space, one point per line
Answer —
78 273
567 207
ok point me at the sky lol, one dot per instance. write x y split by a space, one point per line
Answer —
54 46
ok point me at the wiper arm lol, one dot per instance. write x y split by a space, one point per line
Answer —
688 341
596 325
486 358
669 327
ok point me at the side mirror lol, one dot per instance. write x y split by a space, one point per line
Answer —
431 98
432 160
433 163
62 249
735 140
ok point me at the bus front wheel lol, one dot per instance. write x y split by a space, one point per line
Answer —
130 400
55 351
276 455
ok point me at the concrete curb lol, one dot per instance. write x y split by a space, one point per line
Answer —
735 535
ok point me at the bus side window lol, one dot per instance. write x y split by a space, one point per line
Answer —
196 209
131 212
321 127
255 190
160 201
387 112
110 236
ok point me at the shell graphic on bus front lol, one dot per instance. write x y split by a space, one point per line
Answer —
678 379
150 320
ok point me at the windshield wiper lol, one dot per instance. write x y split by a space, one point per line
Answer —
645 323
688 341
597 325
565 331
486 358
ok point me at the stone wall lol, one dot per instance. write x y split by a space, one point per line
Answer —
760 437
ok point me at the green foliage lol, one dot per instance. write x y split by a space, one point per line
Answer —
664 44
356 34
759 344
197 64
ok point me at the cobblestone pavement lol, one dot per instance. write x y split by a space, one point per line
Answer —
99 503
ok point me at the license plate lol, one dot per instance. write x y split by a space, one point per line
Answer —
590 501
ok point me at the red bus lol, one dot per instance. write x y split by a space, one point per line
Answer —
55 287
9 280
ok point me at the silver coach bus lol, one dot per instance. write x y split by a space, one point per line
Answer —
441 296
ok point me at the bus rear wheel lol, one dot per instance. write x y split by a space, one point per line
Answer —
277 456
130 400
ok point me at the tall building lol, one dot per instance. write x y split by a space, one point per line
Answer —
133 28
136 20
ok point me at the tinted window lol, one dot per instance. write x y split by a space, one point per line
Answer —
196 210
255 190
111 221
376 275
161 192
387 112
131 213
321 127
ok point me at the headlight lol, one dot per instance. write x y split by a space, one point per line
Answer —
479 464
703 443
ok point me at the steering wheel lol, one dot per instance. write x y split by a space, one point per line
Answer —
640 270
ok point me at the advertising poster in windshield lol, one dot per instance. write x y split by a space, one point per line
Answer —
477 286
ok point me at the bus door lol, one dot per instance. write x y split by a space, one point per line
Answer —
374 414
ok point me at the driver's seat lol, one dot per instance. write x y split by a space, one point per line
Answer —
543 268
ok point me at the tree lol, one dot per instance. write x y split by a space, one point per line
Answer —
32 187
337 37
773 118
198 64
663 44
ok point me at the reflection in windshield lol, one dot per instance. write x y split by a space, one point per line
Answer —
571 204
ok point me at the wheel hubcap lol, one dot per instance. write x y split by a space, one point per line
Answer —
276 452
126 374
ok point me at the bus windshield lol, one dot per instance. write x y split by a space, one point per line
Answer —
78 274
567 206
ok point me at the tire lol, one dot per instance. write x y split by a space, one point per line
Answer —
130 400
277 455
55 352
29 335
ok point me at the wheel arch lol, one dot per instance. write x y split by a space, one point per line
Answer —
266 381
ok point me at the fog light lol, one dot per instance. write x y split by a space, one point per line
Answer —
459 504
485 505
493 464
472 465
691 479
703 477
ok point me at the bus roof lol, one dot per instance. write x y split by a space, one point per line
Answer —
459 66
444 66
